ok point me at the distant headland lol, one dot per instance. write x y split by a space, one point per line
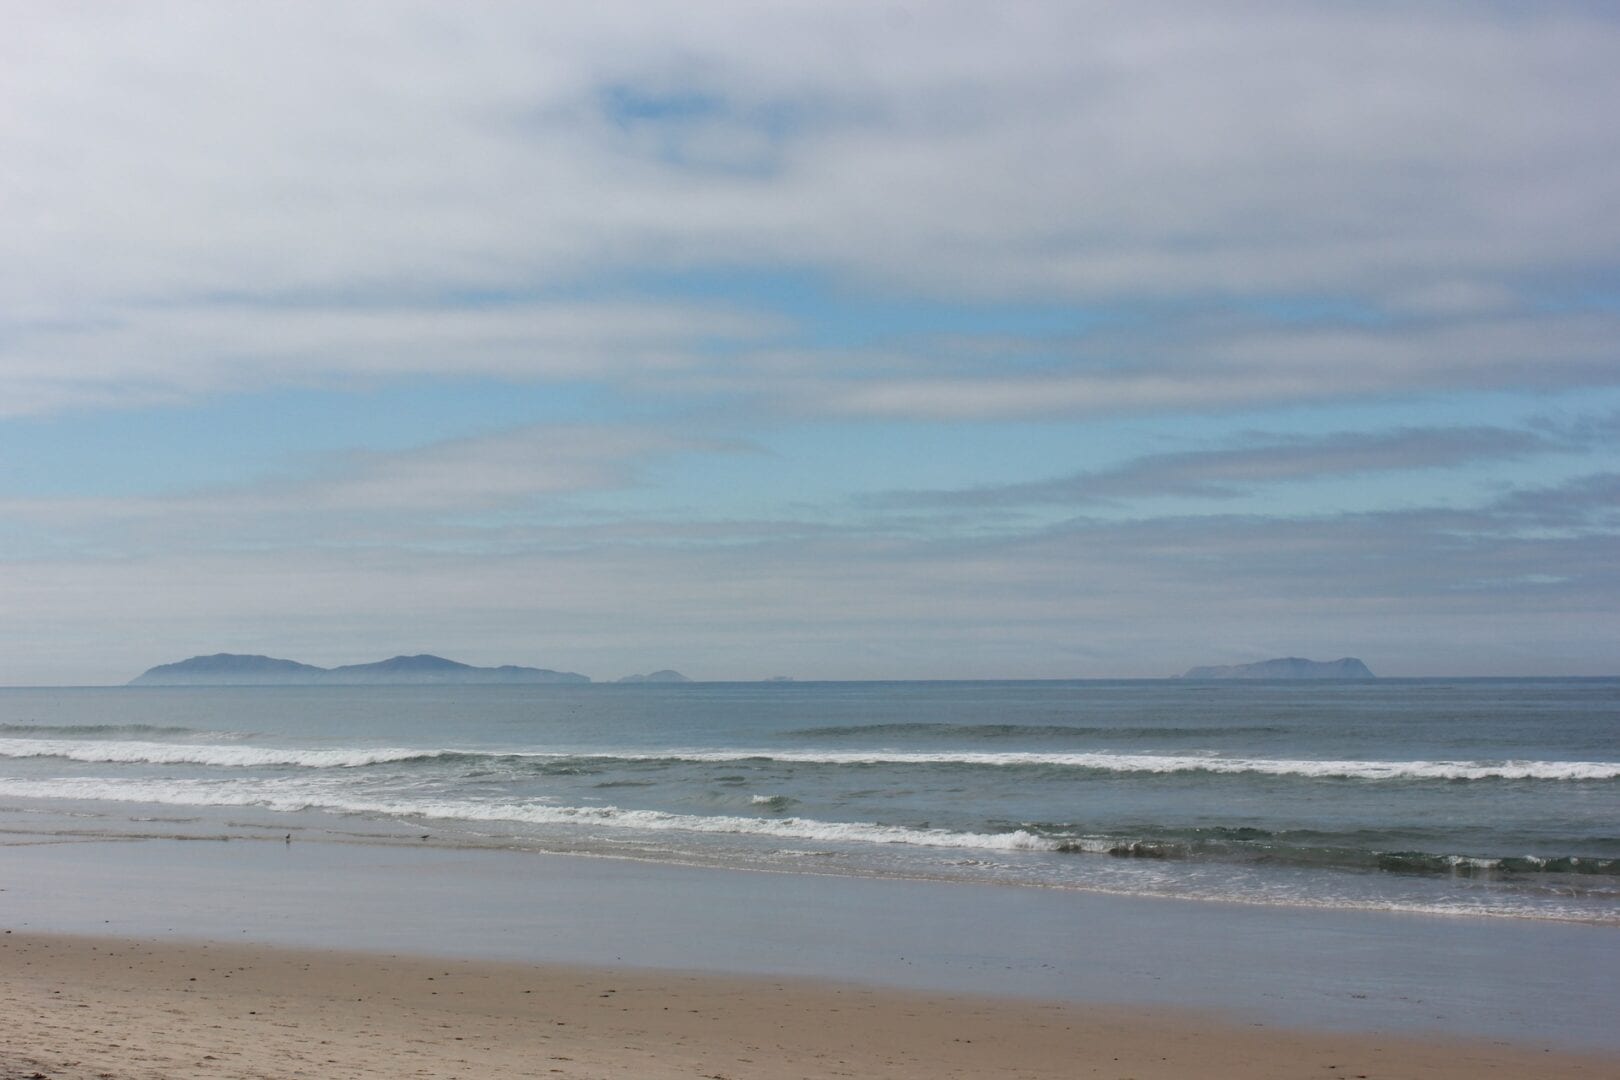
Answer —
235 669
1287 667
665 676
239 669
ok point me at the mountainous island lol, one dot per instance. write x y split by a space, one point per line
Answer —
1287 667
667 675
235 669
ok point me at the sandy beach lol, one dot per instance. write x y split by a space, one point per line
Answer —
84 1007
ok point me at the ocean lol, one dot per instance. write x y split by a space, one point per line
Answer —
1471 797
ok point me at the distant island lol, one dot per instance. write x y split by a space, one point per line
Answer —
235 669
1287 667
665 676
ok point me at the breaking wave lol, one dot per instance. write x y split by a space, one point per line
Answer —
1024 731
157 753
1352 852
98 731
272 795
1180 763
154 753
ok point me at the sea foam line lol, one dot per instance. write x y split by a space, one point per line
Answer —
288 795
1176 763
285 797
96 731
156 753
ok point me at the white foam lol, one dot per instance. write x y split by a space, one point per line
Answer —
155 753
287 796
1173 763
271 794
1127 878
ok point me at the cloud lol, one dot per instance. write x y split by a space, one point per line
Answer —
172 354
404 498
1256 460
488 471
1203 367
1230 210
1509 585
166 161
1505 560
694 352
1587 504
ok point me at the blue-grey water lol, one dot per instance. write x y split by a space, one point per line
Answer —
1469 797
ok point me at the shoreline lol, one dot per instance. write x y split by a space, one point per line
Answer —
82 1007
408 835
1355 972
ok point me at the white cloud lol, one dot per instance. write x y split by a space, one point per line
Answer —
490 471
1219 367
404 493
1257 460
227 197
172 353
162 155
1412 592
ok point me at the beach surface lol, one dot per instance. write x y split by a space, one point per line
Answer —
1527 982
78 1008
123 958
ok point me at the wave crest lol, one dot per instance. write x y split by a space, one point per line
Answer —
279 796
1025 731
155 753
97 731
1178 763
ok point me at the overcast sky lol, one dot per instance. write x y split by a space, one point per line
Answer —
859 340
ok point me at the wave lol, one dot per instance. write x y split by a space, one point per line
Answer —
1423 862
1025 731
98 731
153 753
1254 845
143 752
282 797
1179 763
1229 845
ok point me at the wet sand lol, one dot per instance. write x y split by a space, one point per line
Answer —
1528 983
79 1008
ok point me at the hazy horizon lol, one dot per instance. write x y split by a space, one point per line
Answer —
840 341
605 679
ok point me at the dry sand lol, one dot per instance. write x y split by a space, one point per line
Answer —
73 1007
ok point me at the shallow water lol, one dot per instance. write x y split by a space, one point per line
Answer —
1539 983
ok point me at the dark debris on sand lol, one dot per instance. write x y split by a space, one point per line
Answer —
33 1069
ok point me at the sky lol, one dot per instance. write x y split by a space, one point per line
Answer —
831 340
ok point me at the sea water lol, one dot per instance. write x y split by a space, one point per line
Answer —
1496 798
